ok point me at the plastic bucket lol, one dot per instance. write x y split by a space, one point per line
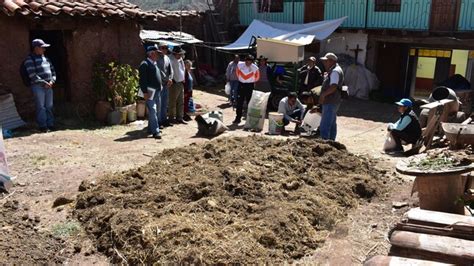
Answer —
114 118
275 123
311 121
131 115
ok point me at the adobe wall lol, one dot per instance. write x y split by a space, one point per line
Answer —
14 46
92 41
87 40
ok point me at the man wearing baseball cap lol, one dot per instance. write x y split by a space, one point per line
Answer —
150 82
330 97
407 129
42 76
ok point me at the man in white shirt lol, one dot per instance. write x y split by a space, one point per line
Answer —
176 91
164 63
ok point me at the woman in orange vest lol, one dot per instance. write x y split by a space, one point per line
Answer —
247 73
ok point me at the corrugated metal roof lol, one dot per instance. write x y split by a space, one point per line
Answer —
9 118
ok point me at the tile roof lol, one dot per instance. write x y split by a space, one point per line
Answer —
86 8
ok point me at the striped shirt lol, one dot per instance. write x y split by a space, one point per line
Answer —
41 71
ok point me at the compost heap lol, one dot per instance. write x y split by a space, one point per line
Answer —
232 200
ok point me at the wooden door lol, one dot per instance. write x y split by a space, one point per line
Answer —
391 68
444 15
313 10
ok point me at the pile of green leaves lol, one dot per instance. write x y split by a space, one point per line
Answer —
438 161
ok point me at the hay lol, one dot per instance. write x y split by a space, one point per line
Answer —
232 200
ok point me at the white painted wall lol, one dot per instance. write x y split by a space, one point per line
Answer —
343 42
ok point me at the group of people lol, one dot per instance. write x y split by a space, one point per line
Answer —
245 76
166 82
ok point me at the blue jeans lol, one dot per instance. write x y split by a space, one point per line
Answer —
163 116
328 126
154 106
44 106
234 91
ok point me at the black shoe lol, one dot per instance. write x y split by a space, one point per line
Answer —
187 118
53 128
44 130
156 136
236 121
167 124
181 121
162 127
172 121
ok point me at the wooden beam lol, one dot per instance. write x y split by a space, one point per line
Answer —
389 260
434 230
437 248
417 215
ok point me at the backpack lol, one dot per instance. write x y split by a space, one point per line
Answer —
24 73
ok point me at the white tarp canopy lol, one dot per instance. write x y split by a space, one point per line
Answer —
296 33
173 38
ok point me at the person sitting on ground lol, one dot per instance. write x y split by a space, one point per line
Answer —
292 109
407 129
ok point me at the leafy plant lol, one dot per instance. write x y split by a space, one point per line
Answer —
466 202
99 82
116 83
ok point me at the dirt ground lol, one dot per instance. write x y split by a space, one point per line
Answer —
52 165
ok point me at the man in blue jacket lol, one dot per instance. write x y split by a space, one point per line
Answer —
150 85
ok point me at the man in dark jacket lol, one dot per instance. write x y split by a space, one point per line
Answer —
310 75
151 85
407 129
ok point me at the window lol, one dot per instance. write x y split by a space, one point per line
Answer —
388 5
274 6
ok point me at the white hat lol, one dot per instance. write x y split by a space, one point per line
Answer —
329 56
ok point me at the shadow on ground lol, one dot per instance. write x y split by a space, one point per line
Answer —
368 110
134 135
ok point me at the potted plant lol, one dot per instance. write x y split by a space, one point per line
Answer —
123 83
102 94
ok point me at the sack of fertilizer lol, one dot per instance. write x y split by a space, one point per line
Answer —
256 110
210 126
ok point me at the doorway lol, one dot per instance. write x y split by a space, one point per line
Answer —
434 66
57 55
